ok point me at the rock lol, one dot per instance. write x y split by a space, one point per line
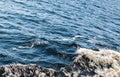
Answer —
20 70
88 63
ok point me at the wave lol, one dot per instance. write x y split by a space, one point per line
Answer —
88 63
73 38
31 45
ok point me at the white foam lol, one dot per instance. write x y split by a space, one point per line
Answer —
77 36
73 38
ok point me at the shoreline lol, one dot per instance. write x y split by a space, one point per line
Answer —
88 63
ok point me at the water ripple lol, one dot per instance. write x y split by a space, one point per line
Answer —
49 32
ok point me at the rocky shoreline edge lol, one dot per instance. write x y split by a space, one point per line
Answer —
88 63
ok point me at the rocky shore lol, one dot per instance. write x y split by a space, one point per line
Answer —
88 63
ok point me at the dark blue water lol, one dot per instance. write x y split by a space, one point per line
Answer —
48 32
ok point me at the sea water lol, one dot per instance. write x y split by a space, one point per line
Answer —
48 32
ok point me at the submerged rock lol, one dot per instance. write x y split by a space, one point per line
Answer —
88 63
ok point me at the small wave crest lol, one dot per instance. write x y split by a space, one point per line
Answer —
73 38
31 45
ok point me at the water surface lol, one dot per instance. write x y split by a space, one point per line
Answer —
48 32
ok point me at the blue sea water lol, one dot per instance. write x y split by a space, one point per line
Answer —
48 32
